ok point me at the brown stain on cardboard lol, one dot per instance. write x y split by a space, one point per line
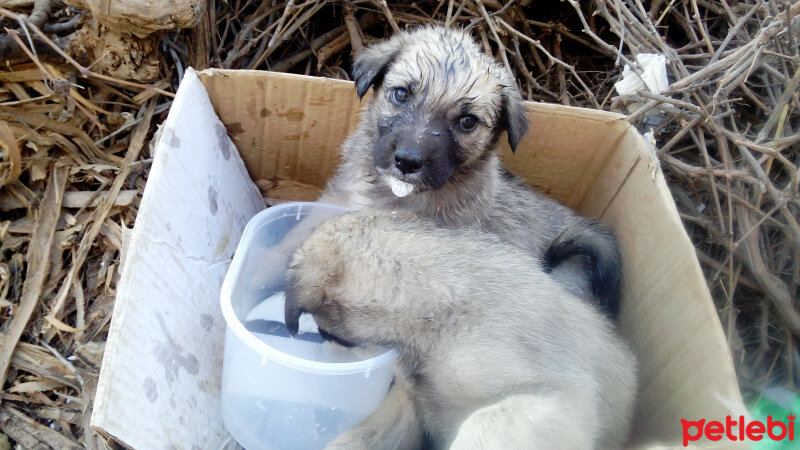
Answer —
294 137
321 100
223 242
235 128
265 112
222 245
293 115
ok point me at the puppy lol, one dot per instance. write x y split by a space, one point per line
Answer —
493 352
427 143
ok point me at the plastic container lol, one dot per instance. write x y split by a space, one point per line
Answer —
280 392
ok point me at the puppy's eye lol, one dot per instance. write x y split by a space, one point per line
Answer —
468 122
400 95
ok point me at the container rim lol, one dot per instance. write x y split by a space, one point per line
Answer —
234 324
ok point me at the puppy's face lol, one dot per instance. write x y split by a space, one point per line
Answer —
439 107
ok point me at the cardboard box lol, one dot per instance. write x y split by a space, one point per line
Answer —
160 376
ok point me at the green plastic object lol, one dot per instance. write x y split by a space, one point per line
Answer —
780 403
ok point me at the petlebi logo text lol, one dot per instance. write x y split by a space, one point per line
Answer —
738 429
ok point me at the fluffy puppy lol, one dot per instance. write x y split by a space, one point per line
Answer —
493 352
427 143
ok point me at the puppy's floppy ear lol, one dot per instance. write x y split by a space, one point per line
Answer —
371 63
516 122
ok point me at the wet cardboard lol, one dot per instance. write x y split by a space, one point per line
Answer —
287 129
160 379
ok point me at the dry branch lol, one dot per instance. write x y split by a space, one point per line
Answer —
29 433
137 141
13 165
38 259
142 17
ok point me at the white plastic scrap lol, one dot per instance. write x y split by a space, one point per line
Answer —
654 75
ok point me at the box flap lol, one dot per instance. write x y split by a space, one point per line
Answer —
160 380
668 316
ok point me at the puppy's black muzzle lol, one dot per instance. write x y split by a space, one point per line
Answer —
408 160
422 149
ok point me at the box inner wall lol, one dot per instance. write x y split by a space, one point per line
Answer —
290 127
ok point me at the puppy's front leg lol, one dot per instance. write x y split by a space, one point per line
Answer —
350 279
551 421
394 426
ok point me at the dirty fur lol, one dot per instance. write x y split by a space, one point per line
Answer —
493 352
494 294
456 174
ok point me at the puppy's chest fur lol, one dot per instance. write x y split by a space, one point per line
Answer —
484 197
441 401
445 391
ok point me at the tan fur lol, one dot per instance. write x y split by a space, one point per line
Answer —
446 69
494 353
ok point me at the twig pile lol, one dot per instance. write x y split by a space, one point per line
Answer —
730 144
72 167
318 38
72 176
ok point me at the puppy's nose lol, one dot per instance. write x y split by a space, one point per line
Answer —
408 160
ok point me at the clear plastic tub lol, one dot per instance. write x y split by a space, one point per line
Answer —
280 392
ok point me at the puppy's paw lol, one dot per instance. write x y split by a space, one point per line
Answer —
316 280
341 277
313 273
